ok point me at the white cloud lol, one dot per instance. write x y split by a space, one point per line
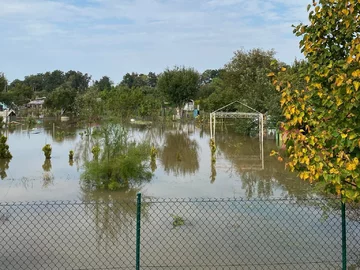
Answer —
146 34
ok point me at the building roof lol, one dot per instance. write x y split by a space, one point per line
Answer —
37 102
7 113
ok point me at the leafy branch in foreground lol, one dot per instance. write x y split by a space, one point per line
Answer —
322 119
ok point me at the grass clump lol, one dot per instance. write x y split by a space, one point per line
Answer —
178 221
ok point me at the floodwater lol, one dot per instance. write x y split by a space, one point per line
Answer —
266 225
183 167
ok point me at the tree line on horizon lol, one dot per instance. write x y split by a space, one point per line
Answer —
243 78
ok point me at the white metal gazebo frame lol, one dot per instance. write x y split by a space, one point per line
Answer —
236 115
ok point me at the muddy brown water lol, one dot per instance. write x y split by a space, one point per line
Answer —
96 230
183 167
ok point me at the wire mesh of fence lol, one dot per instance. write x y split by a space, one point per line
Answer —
67 235
178 234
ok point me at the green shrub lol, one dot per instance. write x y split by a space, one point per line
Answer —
47 151
178 221
30 121
96 152
118 163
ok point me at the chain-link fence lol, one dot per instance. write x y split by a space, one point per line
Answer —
179 234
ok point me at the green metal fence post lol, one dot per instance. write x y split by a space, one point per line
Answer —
343 230
138 224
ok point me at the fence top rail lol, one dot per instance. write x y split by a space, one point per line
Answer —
169 200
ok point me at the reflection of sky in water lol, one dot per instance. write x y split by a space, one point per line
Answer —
24 180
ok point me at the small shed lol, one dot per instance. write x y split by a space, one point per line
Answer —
8 115
37 103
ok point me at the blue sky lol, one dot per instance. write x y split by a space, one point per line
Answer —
112 37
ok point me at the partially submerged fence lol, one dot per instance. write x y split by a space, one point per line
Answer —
179 234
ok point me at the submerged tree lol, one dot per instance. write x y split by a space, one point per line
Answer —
121 163
322 119
47 151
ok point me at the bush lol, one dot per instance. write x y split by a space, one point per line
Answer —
121 164
47 151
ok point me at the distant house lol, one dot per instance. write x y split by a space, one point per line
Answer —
7 115
37 103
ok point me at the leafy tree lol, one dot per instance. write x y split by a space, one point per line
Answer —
134 80
245 78
126 102
152 79
179 84
77 80
104 83
14 83
322 119
62 98
18 93
3 82
89 106
36 82
53 80
208 75
128 80
206 89
122 164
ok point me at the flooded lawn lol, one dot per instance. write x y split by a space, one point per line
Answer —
183 167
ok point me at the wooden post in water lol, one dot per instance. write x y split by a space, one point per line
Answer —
262 140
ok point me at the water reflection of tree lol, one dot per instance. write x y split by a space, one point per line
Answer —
257 182
83 148
48 178
47 165
155 135
61 131
180 154
113 213
4 166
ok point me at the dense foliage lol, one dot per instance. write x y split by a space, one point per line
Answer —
151 96
119 163
179 84
322 117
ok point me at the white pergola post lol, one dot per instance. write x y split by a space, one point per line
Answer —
214 125
211 136
261 138
235 115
